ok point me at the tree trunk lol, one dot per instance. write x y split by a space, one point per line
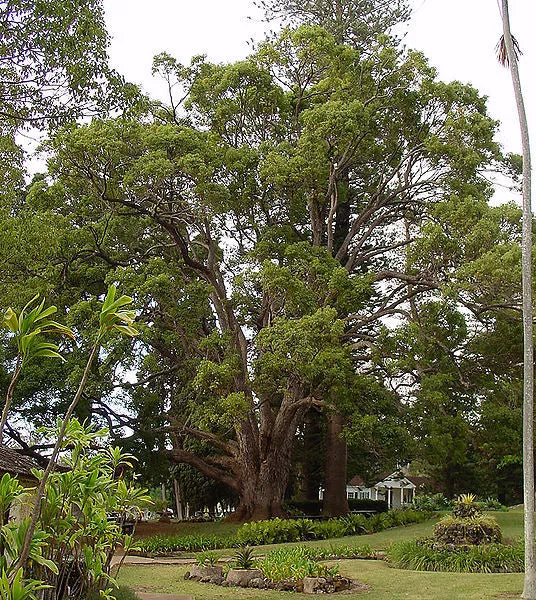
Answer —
178 500
312 456
335 502
256 468
529 590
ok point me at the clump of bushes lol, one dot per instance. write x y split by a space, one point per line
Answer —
435 502
467 525
294 563
467 531
424 555
280 531
464 541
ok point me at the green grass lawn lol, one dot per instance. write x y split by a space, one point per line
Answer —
511 523
386 584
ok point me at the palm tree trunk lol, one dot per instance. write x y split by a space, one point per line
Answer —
529 589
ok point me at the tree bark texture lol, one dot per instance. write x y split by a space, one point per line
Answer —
335 502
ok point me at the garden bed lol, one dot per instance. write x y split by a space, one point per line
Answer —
278 531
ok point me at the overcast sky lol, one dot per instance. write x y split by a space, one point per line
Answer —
458 36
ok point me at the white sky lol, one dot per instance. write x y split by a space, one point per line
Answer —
458 36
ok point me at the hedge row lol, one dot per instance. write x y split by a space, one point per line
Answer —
314 507
278 531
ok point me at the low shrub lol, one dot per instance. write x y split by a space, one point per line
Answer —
467 530
123 593
208 558
491 504
273 531
244 558
466 507
425 555
433 502
334 528
355 524
334 552
294 563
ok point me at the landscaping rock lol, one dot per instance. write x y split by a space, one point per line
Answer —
313 585
325 585
256 582
242 577
212 574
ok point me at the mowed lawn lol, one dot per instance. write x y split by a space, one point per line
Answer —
385 583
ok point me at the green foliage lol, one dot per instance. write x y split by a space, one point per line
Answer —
208 558
56 61
11 491
280 531
244 558
277 531
294 563
274 531
30 325
18 589
490 558
74 538
466 507
114 316
434 502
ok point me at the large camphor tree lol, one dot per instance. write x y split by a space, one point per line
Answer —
263 226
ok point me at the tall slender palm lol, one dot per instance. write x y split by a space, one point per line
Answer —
508 55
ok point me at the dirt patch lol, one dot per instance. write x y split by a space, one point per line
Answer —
148 529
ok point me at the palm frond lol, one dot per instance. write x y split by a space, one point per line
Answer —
502 52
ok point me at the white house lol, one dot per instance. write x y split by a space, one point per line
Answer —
395 488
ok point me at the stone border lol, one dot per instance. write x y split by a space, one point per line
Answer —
253 578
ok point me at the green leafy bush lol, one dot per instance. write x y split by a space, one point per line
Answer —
74 541
467 531
334 528
294 563
433 502
274 531
354 524
466 507
207 558
422 555
244 558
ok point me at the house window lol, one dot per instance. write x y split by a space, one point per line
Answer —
350 495
364 495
